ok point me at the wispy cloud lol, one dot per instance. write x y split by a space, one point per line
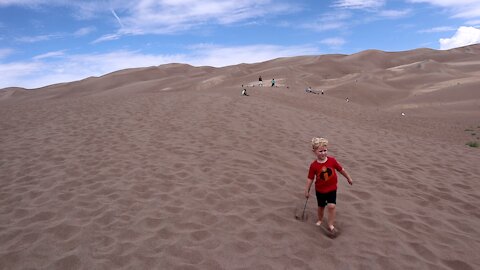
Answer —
33 39
475 23
394 14
328 21
359 4
458 8
84 31
168 16
333 42
438 29
319 26
107 37
40 38
343 19
49 55
30 3
4 52
171 16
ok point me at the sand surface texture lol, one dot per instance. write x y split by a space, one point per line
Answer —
169 167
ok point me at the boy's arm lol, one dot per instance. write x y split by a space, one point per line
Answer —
349 179
307 187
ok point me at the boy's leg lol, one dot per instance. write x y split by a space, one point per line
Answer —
331 206
331 215
320 213
321 203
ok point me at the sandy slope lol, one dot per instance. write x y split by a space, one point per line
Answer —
170 168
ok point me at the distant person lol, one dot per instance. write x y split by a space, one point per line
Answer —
309 90
260 81
322 170
347 100
322 91
244 91
273 82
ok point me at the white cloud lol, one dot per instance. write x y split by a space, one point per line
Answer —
359 4
55 67
464 36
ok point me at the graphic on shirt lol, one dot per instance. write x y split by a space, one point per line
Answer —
325 174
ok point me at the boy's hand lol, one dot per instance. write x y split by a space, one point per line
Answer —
350 181
307 194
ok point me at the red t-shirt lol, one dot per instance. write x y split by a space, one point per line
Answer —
324 174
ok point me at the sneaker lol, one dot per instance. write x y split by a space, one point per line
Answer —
319 223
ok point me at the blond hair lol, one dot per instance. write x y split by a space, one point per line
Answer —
318 142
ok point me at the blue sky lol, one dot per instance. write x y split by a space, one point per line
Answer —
44 42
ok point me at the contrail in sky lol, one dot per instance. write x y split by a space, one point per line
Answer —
118 19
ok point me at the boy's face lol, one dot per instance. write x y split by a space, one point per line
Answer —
321 152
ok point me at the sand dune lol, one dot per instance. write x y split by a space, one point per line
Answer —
169 167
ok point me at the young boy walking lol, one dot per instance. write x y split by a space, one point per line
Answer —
322 170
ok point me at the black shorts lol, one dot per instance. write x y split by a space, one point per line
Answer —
324 198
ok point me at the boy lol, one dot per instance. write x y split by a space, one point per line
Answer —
322 170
